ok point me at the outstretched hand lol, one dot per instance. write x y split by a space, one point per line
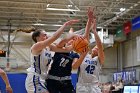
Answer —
90 13
71 22
92 17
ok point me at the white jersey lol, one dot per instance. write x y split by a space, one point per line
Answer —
40 63
89 70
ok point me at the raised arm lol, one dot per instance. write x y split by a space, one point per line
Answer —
36 48
5 79
98 43
89 23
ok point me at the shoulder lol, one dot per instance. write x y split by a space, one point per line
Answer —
35 49
74 55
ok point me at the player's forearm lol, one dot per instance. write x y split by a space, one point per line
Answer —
5 78
55 48
61 29
89 22
77 64
62 43
55 36
100 47
59 32
88 27
97 38
65 40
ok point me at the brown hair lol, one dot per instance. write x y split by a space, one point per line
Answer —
36 33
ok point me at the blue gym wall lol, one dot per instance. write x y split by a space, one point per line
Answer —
17 81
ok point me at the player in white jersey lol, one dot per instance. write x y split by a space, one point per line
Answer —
41 58
90 68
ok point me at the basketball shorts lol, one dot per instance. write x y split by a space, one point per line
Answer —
34 84
56 86
87 88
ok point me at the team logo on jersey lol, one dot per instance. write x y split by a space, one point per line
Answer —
91 62
48 55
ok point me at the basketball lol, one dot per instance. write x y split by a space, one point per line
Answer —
79 44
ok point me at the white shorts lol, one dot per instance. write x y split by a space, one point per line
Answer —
34 84
87 88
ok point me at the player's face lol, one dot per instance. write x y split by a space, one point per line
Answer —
94 52
43 36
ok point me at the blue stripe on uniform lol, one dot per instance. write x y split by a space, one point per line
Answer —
34 63
37 64
34 83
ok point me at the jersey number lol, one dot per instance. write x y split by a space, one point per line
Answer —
63 62
90 69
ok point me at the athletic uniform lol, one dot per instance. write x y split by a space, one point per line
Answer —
37 73
89 76
59 77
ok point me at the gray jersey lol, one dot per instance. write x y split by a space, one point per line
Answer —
40 63
89 70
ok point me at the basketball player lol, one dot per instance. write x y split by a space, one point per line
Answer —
5 79
59 76
41 58
90 68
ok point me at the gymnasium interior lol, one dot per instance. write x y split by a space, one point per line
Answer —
118 25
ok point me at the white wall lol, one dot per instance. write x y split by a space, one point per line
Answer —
130 53
110 57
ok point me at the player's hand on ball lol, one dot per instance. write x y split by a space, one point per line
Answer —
85 51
